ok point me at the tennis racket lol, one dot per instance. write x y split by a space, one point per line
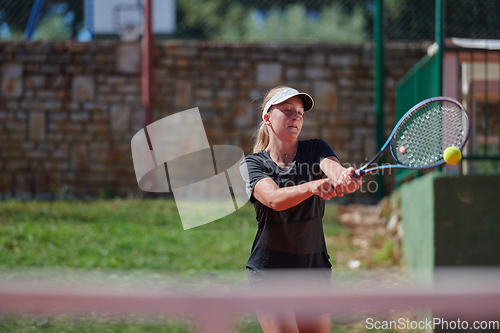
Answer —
422 134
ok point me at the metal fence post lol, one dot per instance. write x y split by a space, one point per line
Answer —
33 20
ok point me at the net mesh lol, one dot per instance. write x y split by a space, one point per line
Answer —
271 20
427 132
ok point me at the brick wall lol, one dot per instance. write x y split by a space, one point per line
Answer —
68 110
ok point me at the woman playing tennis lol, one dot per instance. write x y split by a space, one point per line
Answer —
288 183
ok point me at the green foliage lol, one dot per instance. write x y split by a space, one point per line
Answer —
14 35
236 21
394 7
52 27
486 167
15 14
234 25
206 18
294 24
231 19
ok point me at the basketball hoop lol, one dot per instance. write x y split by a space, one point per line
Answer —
120 18
130 32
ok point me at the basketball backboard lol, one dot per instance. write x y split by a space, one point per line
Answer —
116 17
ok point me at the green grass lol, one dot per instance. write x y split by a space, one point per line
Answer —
91 324
331 224
383 254
124 238
124 234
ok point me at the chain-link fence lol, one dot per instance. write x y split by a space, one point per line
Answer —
58 19
473 19
254 20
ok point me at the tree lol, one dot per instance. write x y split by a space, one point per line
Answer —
16 13
296 23
325 20
52 27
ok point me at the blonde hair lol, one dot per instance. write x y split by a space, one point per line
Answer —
262 134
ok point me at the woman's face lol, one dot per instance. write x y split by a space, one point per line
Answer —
286 118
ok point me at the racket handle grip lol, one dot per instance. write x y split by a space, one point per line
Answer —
358 174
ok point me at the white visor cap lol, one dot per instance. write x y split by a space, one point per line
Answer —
285 94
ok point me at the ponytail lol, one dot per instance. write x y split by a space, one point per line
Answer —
262 134
261 138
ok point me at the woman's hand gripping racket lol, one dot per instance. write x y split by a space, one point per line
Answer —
422 134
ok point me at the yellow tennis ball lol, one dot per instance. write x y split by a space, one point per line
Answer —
452 155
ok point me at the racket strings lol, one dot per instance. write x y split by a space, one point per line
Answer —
427 132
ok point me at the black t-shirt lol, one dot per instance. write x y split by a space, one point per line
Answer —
292 238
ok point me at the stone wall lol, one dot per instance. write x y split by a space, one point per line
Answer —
68 110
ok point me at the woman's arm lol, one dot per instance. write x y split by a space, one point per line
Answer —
333 169
267 192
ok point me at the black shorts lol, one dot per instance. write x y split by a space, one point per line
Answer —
318 278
